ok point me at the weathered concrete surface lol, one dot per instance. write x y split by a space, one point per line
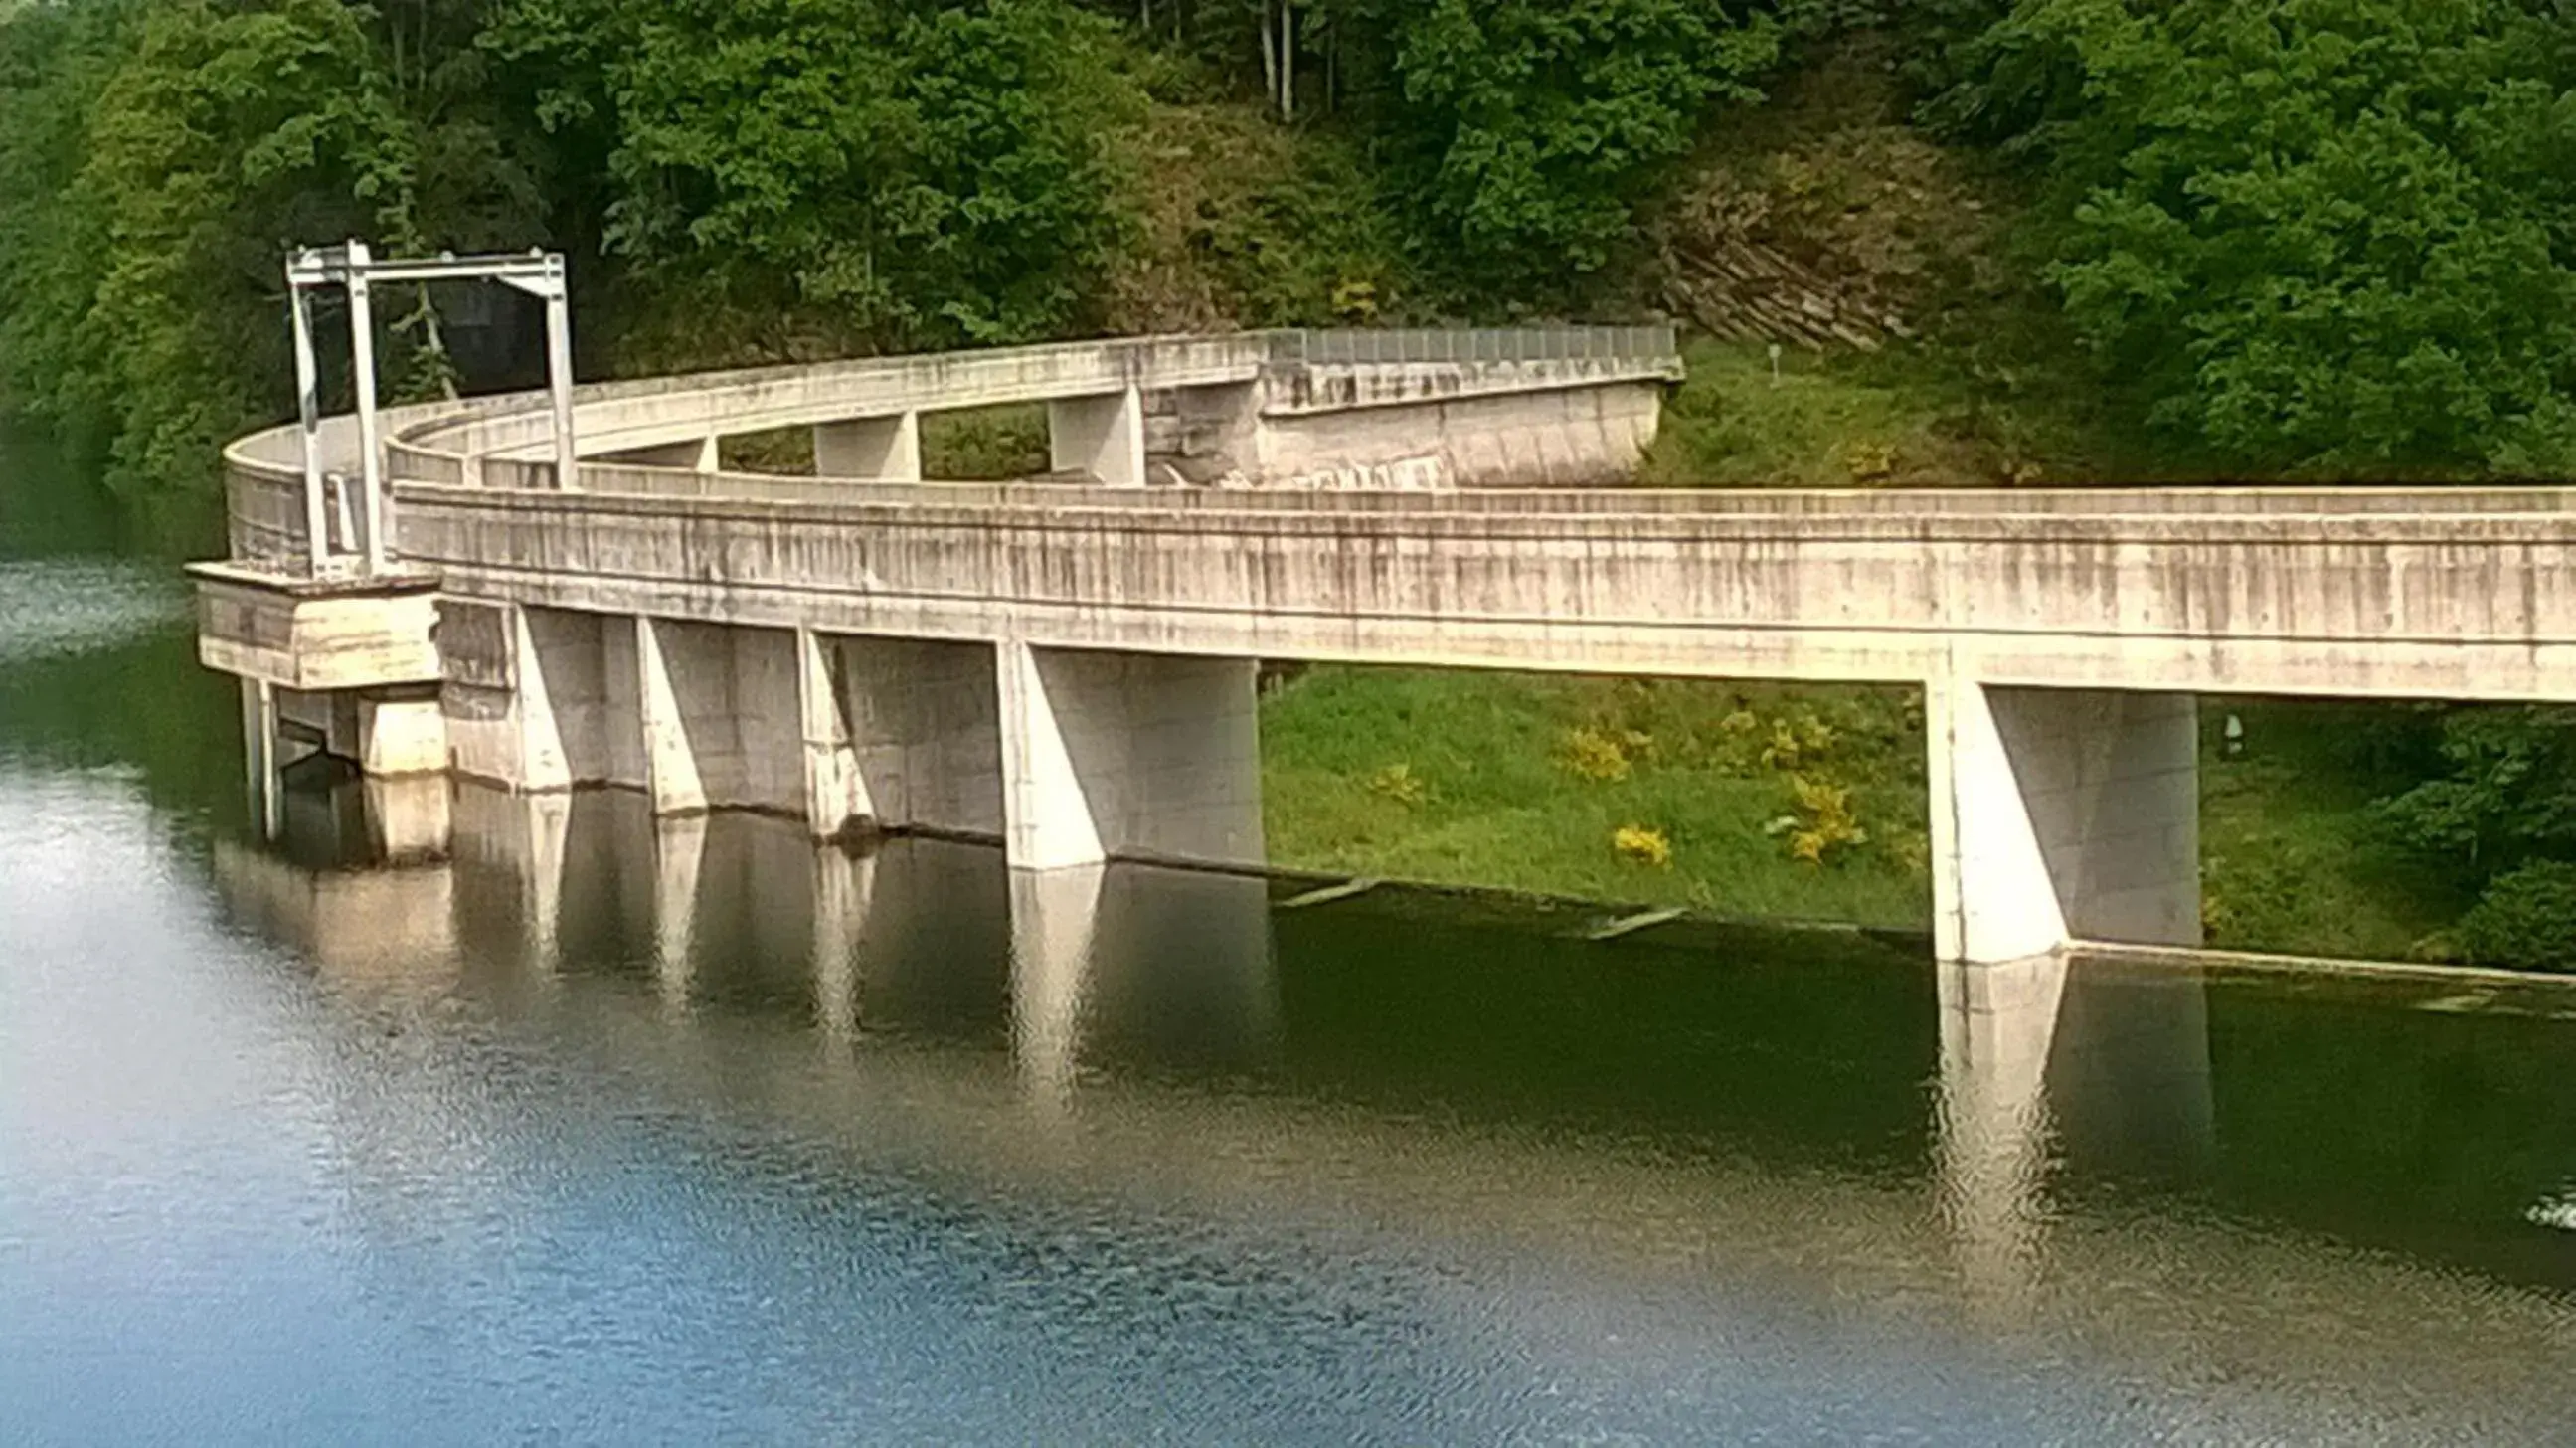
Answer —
924 721
1101 436
721 717
1069 667
1527 437
2062 815
696 455
316 635
871 449
400 737
2436 606
1129 755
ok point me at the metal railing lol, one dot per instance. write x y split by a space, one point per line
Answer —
1458 345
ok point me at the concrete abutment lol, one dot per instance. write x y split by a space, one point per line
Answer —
870 449
2061 815
1129 755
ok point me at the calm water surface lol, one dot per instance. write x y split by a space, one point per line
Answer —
598 1131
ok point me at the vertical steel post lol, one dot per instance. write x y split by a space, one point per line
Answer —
559 373
308 409
371 463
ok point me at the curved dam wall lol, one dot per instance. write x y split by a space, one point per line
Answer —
1068 665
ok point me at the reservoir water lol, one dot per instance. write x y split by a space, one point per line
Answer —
597 1130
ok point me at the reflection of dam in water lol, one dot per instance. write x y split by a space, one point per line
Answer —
1861 1126
918 935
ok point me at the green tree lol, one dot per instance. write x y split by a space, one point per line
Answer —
2526 919
852 172
2322 236
1541 126
2498 818
171 148
2505 793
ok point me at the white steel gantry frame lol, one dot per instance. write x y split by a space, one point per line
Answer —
540 274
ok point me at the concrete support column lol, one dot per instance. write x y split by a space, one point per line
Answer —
1102 436
1128 754
401 737
517 679
260 762
836 792
697 455
870 449
670 762
385 734
2061 815
543 761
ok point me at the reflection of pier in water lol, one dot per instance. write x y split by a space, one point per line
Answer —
915 935
2037 1063
726 939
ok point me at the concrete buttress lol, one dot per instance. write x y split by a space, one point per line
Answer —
2061 815
871 449
1102 436
1146 755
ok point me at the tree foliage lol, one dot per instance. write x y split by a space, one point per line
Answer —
2497 815
155 158
1543 125
2315 236
2526 919
2318 236
876 172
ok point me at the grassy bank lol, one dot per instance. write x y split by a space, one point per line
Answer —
1716 796
1652 791
2294 855
1903 418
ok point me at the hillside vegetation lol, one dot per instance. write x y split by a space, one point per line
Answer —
1916 243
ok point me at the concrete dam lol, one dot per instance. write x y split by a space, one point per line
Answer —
548 592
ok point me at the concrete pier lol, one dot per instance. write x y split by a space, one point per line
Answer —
2061 815
696 455
1101 436
1131 755
871 449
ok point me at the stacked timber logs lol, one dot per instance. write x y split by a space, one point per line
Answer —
1741 289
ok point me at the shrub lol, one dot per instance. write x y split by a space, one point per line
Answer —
1596 755
1641 846
1824 823
2527 918
1398 782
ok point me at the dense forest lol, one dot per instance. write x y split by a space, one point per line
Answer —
2051 239
2310 237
